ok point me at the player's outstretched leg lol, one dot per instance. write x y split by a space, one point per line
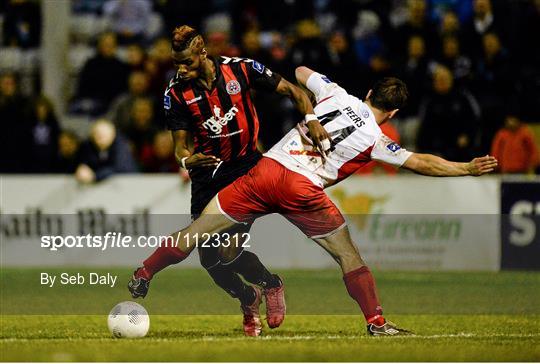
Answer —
174 249
359 281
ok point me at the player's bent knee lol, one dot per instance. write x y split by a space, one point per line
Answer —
228 254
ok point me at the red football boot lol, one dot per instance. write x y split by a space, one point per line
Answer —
252 318
275 305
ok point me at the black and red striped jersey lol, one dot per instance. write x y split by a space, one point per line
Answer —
223 121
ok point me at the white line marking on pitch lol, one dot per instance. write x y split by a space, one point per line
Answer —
288 338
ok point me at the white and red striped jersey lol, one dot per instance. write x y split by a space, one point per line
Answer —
356 138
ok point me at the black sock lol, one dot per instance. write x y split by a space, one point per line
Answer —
251 268
231 283
225 277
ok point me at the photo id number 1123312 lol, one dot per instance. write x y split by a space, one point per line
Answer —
216 240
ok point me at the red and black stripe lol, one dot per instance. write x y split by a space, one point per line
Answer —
250 115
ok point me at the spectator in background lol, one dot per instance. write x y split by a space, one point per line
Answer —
252 48
135 57
414 72
128 19
68 148
514 147
159 157
449 119
141 128
102 78
342 61
482 22
278 51
13 108
463 9
418 23
370 49
495 85
44 131
104 154
218 28
120 110
273 108
309 48
459 64
22 24
450 25
159 66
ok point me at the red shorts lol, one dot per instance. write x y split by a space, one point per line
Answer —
269 187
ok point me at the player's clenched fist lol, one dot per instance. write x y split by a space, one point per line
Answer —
482 165
319 136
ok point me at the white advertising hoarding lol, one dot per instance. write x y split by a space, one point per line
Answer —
399 222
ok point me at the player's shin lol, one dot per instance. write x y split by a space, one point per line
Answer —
167 254
225 277
250 267
361 287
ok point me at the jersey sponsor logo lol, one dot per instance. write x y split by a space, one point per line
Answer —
305 152
189 102
393 147
167 102
358 122
233 87
325 79
216 122
258 67
365 114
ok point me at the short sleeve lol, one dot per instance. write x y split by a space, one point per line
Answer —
388 151
322 87
177 115
261 77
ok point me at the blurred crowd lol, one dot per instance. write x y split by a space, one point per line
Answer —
471 66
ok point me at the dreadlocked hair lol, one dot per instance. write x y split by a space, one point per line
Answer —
184 37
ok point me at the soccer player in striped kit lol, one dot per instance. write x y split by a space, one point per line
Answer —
209 98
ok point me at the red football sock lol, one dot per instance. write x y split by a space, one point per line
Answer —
361 287
161 258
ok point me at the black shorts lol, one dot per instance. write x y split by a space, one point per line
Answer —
207 182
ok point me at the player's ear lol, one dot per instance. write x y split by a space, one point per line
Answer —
368 94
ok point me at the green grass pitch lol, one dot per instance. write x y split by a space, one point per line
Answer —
455 316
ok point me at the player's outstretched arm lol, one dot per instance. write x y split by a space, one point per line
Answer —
431 165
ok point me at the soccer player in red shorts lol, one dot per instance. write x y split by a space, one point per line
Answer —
291 176
209 101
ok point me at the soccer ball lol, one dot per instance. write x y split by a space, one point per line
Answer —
128 319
